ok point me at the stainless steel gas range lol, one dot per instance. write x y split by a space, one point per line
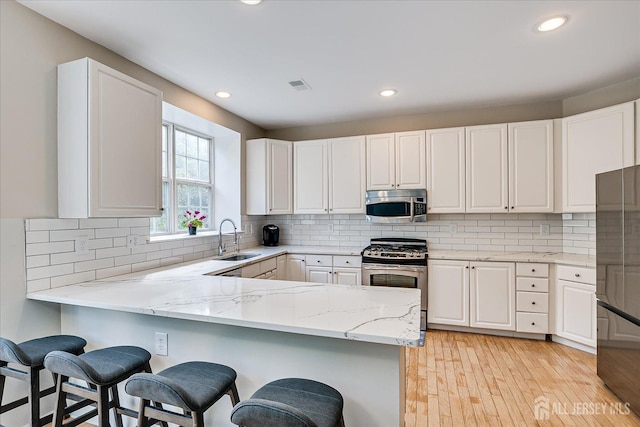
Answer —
397 262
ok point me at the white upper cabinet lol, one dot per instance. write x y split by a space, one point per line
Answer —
531 166
109 143
310 177
410 160
329 175
446 170
594 142
381 162
269 177
487 180
396 161
347 179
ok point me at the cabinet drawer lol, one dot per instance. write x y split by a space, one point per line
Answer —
319 260
536 302
537 323
530 269
577 274
532 284
347 261
268 265
252 270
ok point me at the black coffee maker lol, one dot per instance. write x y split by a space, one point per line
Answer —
270 235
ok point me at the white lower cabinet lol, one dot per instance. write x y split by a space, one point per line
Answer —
343 270
476 294
281 271
261 270
296 268
492 295
576 304
532 298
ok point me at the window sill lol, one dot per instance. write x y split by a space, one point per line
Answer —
181 236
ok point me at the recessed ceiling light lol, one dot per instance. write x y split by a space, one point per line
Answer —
552 23
251 2
388 92
223 94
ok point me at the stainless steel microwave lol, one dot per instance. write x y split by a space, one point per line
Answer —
396 206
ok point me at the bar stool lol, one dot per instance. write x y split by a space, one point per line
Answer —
291 402
102 369
30 356
192 386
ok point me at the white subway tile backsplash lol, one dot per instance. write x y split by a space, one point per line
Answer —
99 223
71 279
49 248
51 224
49 271
52 261
93 265
36 236
63 235
38 285
37 261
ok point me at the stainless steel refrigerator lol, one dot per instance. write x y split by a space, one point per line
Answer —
618 284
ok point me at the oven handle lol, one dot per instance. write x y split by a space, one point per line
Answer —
393 267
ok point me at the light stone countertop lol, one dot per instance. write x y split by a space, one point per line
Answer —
370 314
185 291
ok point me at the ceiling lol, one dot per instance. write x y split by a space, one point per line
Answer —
438 55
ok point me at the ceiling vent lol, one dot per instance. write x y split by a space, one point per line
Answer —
299 85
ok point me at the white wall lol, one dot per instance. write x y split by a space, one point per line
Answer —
31 46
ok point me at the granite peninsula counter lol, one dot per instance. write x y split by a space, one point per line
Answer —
350 337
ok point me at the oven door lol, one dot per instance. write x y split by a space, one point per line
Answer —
399 276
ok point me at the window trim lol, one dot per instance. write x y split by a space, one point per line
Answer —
173 181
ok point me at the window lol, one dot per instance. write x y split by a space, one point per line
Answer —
187 185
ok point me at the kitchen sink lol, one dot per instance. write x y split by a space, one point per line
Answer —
237 257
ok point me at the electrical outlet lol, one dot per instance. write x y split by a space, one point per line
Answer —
82 245
162 345
454 228
132 241
544 229
330 228
250 228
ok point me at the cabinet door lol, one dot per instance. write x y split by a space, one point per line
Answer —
319 274
279 177
448 292
347 276
281 269
576 312
531 166
410 160
492 295
445 170
487 180
381 170
310 177
347 178
594 142
296 268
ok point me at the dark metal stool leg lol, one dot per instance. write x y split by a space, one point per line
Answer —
103 406
61 398
33 376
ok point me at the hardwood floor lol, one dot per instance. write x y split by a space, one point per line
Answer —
462 379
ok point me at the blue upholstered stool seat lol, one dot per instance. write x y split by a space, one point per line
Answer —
192 386
32 352
291 402
102 369
30 355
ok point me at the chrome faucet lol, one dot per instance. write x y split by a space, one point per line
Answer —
221 249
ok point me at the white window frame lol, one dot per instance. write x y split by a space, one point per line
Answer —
172 205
